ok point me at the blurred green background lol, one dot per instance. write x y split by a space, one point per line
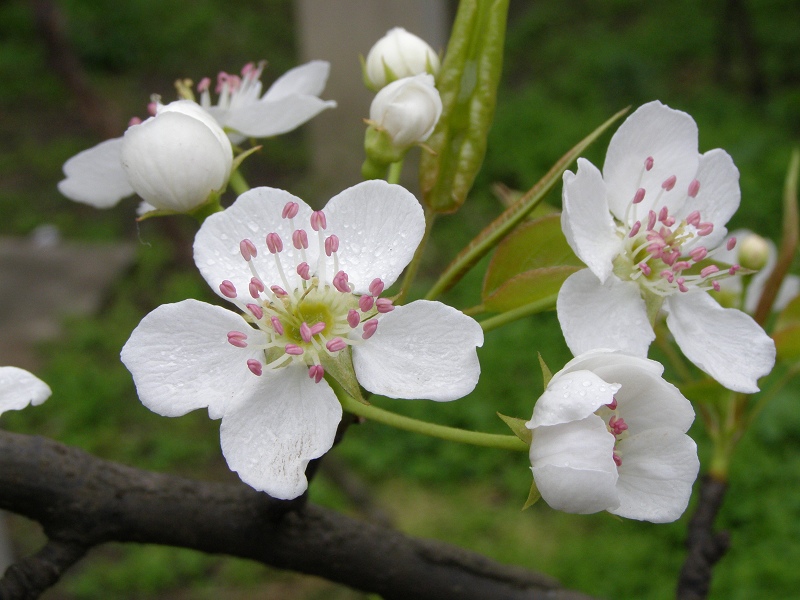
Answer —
733 65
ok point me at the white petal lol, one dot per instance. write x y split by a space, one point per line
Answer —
254 214
653 130
600 358
573 466
571 397
611 315
269 439
724 342
96 177
181 360
274 117
718 198
18 389
658 469
308 79
421 350
587 224
379 226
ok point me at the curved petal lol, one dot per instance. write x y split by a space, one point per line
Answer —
718 198
379 226
571 397
96 177
421 350
587 224
308 79
724 342
603 357
269 439
668 136
254 214
611 315
573 466
274 117
18 389
180 359
658 469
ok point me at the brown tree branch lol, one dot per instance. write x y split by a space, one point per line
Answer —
82 501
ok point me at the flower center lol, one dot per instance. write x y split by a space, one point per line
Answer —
308 323
615 424
232 91
664 255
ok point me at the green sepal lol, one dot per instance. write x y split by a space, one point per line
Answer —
209 207
340 367
517 426
380 152
237 161
547 374
467 83
533 496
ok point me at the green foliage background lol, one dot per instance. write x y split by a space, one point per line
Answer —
569 65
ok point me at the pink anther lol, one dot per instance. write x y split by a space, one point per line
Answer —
694 188
237 338
316 372
645 268
613 404
681 265
318 220
336 344
274 243
384 305
638 196
305 332
304 270
617 425
152 108
290 210
651 220
733 269
278 290
369 328
705 229
248 249
134 121
682 284
670 257
227 289
277 325
668 275
300 239
331 244
366 302
694 218
256 287
709 270
293 349
318 327
340 282
648 163
617 459
715 284
635 229
222 79
731 243
698 253
669 183
353 318
248 69
256 311
376 287
255 367
663 214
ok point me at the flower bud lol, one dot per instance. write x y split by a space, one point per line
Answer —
407 110
396 55
753 252
176 159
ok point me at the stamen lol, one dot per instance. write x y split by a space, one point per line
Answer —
304 271
715 285
617 459
384 305
645 268
316 372
663 214
204 84
228 289
256 287
290 209
293 349
318 328
366 302
617 425
336 344
353 319
682 284
694 218
305 332
300 239
340 282
613 404
376 287
635 229
705 229
278 290
331 244
651 220
709 270
277 325
248 249
369 328
254 366
638 196
733 269
274 243
318 220
694 187
648 163
134 121
731 243
668 275
256 311
698 253
681 265
669 183
237 338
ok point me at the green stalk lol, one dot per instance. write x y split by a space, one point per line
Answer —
518 313
238 183
395 169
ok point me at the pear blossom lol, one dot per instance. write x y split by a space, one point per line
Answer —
399 54
646 228
18 389
311 289
610 434
407 110
174 160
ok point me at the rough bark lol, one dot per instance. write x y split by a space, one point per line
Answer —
82 501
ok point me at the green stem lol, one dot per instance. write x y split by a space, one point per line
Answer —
394 172
452 434
238 183
413 266
518 313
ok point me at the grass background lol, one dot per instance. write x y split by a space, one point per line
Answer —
569 65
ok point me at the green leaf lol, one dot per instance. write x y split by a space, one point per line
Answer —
533 496
527 288
547 374
517 426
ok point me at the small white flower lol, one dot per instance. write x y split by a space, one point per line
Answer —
173 160
609 434
310 287
644 227
407 109
402 54
18 389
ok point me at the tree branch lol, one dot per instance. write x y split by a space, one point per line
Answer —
82 501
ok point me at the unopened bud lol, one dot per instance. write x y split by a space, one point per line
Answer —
407 110
396 55
753 252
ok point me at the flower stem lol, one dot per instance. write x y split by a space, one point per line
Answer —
238 183
394 172
452 434
523 311
413 266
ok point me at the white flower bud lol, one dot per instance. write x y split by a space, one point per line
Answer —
407 109
176 159
399 54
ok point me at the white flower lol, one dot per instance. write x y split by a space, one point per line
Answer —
407 109
310 289
609 434
173 160
18 389
644 227
289 102
399 54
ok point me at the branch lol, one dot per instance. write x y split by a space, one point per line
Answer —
82 501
